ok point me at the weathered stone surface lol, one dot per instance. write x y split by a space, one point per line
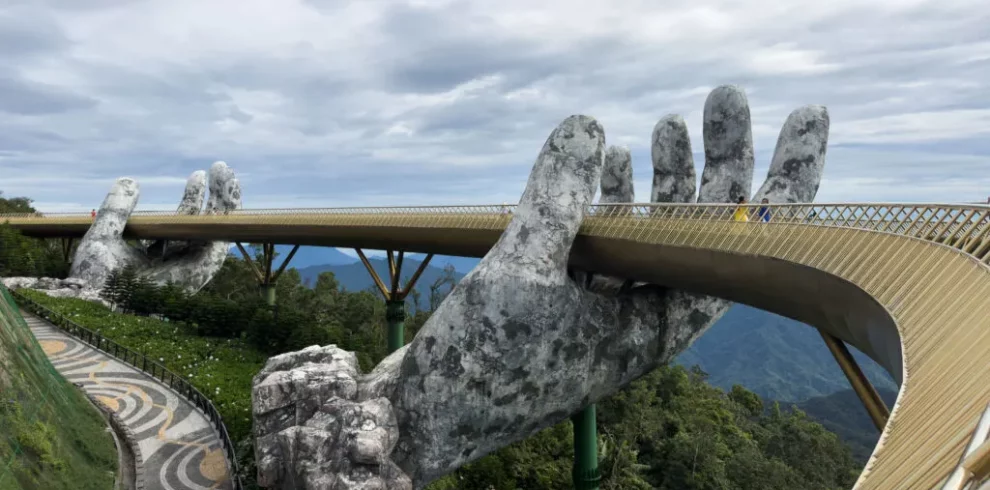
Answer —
57 288
518 345
674 179
728 138
617 182
188 264
191 203
101 249
314 431
799 158
192 197
193 264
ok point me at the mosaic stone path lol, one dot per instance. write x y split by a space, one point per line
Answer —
179 447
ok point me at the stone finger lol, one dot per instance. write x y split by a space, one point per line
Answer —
191 204
192 197
728 137
799 158
617 177
102 249
674 179
562 184
225 190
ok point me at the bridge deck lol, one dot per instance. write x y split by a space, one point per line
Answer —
908 285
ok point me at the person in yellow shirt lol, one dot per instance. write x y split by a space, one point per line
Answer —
742 212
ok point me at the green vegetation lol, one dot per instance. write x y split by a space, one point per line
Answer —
669 430
672 430
51 436
843 414
22 256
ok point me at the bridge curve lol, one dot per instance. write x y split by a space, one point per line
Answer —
909 285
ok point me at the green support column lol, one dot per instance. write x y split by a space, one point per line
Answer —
586 475
268 292
267 276
395 296
395 315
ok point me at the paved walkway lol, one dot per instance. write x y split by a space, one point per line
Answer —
178 445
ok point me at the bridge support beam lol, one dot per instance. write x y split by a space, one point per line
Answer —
875 406
395 296
266 275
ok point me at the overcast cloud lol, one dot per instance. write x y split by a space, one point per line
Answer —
332 103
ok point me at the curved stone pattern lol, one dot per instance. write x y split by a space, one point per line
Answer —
728 139
518 345
180 449
674 179
190 265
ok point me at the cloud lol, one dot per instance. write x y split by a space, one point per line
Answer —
320 103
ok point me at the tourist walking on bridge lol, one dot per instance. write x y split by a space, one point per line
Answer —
742 213
764 212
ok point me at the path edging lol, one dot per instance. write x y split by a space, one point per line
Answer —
129 436
60 322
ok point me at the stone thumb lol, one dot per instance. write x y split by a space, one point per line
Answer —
562 184
192 197
115 210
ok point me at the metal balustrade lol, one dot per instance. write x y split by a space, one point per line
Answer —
926 265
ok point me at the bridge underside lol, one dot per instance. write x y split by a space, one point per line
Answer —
915 306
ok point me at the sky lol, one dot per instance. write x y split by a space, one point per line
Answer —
424 102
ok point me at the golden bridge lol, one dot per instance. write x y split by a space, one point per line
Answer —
907 284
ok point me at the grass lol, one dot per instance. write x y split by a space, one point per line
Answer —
221 369
51 437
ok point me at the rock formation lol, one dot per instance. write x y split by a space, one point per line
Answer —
60 288
189 264
518 345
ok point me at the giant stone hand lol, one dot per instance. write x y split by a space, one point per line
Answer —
521 343
188 264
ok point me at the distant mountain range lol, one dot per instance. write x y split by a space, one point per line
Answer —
775 357
355 277
319 256
843 414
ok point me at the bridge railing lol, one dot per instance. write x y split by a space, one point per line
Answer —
963 226
141 362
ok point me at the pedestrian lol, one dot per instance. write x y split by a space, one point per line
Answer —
742 213
764 212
